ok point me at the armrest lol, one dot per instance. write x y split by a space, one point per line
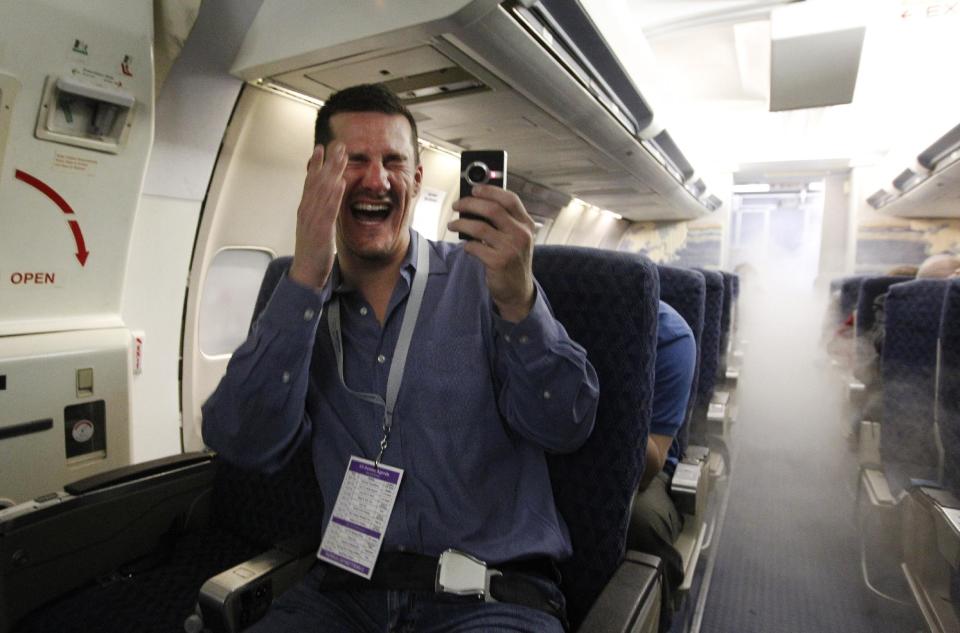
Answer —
108 526
137 471
688 488
630 602
855 391
868 446
236 598
947 513
877 488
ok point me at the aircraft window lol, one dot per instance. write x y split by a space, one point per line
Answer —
228 297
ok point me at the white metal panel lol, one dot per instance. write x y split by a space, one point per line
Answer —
67 212
41 381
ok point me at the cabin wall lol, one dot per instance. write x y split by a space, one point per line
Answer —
193 109
884 241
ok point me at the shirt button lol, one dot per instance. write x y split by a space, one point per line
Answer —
286 377
363 311
524 339
308 314
381 359
546 395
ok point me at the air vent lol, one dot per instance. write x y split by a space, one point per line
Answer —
437 84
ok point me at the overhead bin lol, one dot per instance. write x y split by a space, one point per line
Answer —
534 78
930 188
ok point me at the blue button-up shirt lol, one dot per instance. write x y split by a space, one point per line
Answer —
480 402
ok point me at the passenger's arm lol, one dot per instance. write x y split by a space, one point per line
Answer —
673 377
256 418
548 389
658 447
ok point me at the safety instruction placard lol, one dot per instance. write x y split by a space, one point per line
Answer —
360 516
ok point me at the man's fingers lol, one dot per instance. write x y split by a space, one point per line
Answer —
504 198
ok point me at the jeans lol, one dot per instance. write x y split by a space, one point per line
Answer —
306 608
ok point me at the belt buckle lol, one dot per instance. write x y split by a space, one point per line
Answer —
463 575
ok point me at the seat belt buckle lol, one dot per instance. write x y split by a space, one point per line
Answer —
463 575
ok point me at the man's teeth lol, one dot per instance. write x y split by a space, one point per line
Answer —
371 208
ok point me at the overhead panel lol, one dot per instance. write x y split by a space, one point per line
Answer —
814 55
490 77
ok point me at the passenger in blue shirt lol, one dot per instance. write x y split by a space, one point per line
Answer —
654 513
491 383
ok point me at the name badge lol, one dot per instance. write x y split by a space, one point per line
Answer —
360 516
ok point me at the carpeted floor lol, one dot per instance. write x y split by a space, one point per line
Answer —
788 560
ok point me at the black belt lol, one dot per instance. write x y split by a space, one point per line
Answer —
407 571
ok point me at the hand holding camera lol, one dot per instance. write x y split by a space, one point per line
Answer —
501 233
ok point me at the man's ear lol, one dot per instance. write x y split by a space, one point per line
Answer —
417 180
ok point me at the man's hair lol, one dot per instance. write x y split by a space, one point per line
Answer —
903 270
362 98
940 266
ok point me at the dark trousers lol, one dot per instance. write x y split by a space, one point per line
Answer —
656 524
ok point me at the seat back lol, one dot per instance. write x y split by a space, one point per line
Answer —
726 318
261 508
948 392
710 341
870 289
912 326
866 318
849 291
685 291
607 301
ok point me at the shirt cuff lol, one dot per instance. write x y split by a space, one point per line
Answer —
295 306
535 335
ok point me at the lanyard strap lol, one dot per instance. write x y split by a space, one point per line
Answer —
399 361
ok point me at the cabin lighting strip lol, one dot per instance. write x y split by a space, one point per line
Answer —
540 24
284 91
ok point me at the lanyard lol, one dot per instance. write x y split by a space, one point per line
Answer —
399 360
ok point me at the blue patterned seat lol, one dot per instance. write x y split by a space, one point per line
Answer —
726 317
849 291
912 312
864 352
685 291
948 405
710 341
607 301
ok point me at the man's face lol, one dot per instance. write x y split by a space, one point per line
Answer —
382 180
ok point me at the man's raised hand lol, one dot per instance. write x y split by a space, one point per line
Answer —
317 216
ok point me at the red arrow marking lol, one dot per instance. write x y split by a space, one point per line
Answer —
82 252
45 189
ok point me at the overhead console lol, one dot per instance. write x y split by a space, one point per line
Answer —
534 78
930 188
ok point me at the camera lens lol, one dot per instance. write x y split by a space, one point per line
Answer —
478 173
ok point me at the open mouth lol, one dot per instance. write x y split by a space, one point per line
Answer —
371 211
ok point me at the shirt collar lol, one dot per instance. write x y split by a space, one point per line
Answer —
407 267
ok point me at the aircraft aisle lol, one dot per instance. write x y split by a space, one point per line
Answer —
788 559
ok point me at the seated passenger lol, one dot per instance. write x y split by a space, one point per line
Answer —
938 266
492 382
657 523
